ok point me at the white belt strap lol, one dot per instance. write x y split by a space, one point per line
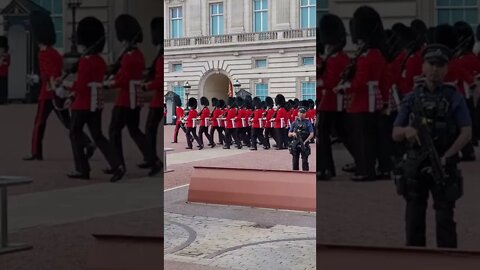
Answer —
134 93
372 95
396 95
96 100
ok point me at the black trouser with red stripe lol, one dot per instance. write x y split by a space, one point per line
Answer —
268 134
45 107
151 130
221 137
175 134
121 117
93 120
257 133
3 90
204 131
192 135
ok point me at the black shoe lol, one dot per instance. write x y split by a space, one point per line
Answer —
212 145
31 158
253 148
209 144
200 147
79 175
145 165
239 146
118 174
226 147
108 171
275 146
220 143
324 176
350 168
188 148
266 147
157 168
90 150
361 178
383 176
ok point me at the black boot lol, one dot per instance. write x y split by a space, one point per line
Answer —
79 175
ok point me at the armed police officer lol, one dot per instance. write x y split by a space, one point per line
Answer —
434 121
302 132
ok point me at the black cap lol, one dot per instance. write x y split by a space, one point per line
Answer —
437 53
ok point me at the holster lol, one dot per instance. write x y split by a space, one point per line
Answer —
453 187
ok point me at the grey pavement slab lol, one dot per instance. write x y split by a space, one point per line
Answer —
81 203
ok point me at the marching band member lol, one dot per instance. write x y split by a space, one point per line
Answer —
204 122
190 120
216 122
178 116
257 124
269 131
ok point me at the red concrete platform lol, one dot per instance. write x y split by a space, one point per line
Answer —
340 257
253 187
126 252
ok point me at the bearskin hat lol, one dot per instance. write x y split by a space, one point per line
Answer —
353 35
478 32
248 104
288 106
404 33
430 37
204 101
192 102
221 104
311 104
332 31
231 102
4 42
248 97
419 29
465 35
257 102
128 29
304 103
264 105
269 102
280 100
368 26
296 102
446 35
177 100
215 102
239 101
291 103
43 28
91 34
156 27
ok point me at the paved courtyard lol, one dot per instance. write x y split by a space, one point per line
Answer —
231 237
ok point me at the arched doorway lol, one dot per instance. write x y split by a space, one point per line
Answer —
215 85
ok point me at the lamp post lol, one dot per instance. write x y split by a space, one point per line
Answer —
236 85
187 87
72 57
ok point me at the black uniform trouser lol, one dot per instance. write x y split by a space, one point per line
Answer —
192 135
154 118
175 133
3 90
363 134
238 136
45 107
204 131
93 120
415 216
130 118
327 122
221 137
268 134
257 134
229 134
296 159
247 135
385 141
286 139
279 137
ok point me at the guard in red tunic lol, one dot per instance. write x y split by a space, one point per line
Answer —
216 122
88 104
364 90
330 108
269 131
204 118
257 124
230 124
50 63
280 123
4 64
155 113
247 113
239 123
191 124
178 116
128 104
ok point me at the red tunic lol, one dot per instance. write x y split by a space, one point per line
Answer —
179 114
281 114
370 68
257 118
4 67
51 65
232 113
205 114
132 67
157 85
413 69
216 114
192 116
458 75
241 115
336 64
268 117
90 70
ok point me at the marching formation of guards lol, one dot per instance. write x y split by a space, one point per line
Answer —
359 96
80 102
240 122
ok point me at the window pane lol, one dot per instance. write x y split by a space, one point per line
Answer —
264 21
58 6
307 61
312 2
214 26
258 21
313 17
323 4
59 43
262 63
441 3
470 2
179 11
257 4
264 4
308 90
220 8
443 16
303 2
220 30
304 18
58 23
456 15
471 16
456 3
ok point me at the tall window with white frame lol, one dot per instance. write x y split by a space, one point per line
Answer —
216 19
261 90
452 11
180 90
308 18
56 11
176 22
260 15
322 8
308 90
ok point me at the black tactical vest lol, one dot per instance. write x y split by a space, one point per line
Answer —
301 128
